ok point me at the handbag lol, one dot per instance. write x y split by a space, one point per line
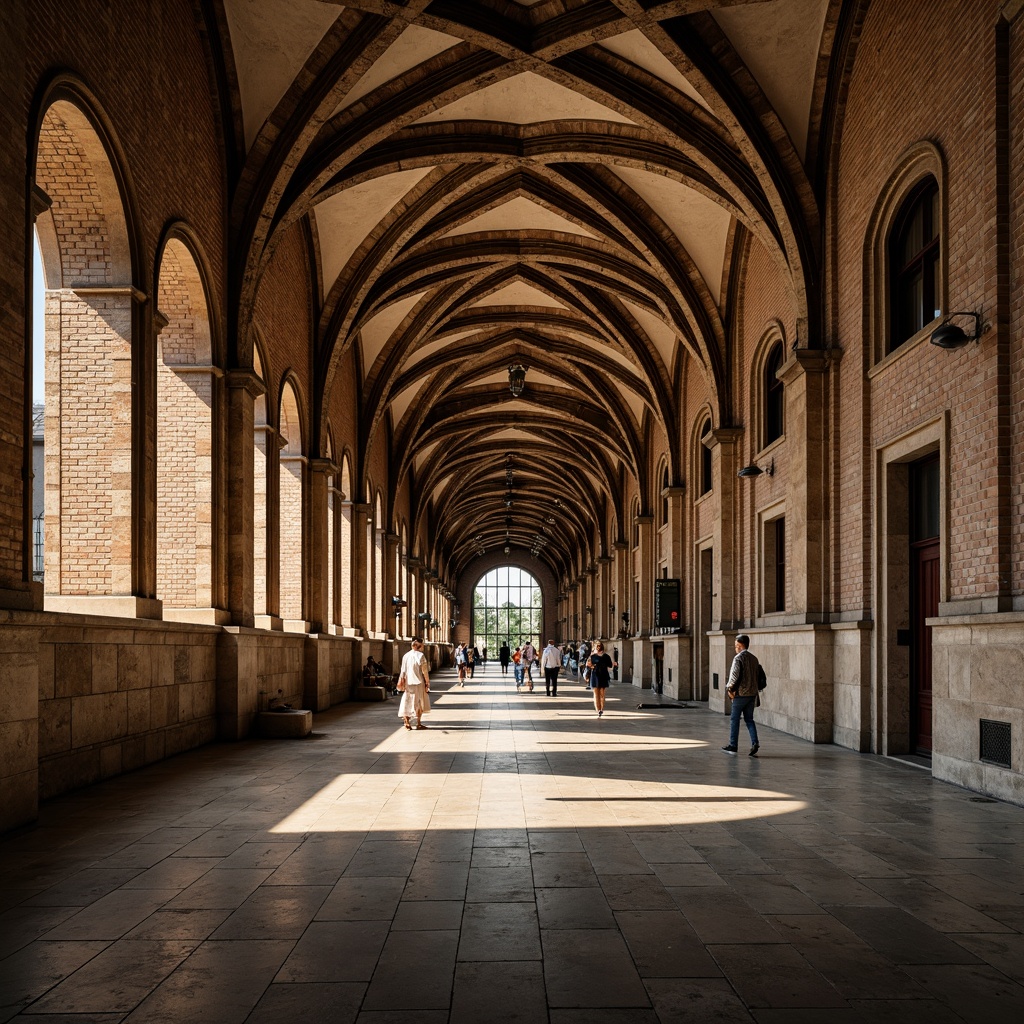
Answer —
400 685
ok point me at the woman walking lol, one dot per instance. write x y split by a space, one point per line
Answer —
416 677
601 665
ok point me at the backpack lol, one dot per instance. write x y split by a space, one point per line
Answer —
460 658
762 679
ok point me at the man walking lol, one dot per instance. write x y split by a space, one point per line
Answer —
551 661
504 656
742 688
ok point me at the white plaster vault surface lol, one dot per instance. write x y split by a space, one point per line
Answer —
522 855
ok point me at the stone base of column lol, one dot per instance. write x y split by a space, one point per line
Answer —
237 683
126 607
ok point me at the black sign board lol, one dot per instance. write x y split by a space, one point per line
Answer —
666 604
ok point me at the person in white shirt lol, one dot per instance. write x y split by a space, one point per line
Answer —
551 661
416 674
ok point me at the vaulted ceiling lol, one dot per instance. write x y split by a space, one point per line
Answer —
563 184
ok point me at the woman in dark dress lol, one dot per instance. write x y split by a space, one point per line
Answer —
601 666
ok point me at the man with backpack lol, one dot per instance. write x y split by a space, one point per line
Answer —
744 682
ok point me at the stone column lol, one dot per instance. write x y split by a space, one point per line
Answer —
361 512
676 520
645 571
317 548
413 595
724 445
607 627
243 387
390 584
805 375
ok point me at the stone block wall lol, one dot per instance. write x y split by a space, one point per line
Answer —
85 698
114 696
19 724
977 673
851 699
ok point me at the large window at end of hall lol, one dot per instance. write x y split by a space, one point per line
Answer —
506 607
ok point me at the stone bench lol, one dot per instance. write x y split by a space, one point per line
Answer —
284 724
369 693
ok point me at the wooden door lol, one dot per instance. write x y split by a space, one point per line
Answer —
924 605
924 596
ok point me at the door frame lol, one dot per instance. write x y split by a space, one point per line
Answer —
890 684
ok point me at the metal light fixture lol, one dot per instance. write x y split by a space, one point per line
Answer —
755 470
516 379
949 335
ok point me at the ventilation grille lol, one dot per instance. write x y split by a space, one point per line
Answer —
995 743
714 680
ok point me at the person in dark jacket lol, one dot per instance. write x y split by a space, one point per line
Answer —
504 656
742 688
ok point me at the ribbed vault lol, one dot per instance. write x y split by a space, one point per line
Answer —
559 183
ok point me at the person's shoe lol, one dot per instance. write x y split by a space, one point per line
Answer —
730 750
754 749
600 713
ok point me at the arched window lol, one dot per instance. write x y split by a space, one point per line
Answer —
774 423
345 582
260 474
705 460
507 608
290 499
185 389
664 496
914 263
636 524
89 477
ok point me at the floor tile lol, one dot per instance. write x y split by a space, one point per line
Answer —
499 932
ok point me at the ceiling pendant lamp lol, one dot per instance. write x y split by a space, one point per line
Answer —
516 379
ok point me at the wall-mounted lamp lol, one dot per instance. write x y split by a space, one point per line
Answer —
516 379
949 335
754 470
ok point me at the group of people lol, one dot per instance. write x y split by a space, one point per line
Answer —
414 680
466 660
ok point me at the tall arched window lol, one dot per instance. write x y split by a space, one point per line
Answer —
90 485
774 423
345 546
260 472
664 496
507 607
706 480
914 261
292 470
185 383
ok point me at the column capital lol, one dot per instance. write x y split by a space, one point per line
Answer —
41 202
722 437
673 492
801 361
321 465
247 379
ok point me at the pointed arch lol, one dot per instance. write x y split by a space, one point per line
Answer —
186 570
93 540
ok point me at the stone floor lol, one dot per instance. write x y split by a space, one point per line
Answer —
520 860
